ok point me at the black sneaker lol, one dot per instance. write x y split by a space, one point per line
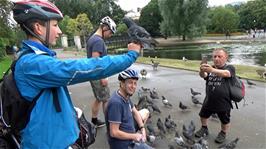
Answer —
99 124
203 132
220 137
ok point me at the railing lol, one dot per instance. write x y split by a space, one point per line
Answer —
116 42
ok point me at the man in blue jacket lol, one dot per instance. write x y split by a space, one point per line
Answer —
40 70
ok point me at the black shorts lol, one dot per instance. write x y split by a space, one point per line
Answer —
224 116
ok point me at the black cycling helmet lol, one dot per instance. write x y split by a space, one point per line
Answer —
128 74
35 9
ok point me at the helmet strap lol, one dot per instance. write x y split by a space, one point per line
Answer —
47 34
37 36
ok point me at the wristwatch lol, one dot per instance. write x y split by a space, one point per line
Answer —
141 127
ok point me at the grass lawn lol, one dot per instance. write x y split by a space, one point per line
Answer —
4 64
193 65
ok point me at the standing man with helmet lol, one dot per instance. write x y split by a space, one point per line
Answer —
38 71
97 48
122 118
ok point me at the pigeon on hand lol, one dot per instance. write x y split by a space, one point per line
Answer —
182 106
195 100
166 102
230 145
194 93
139 34
160 126
250 83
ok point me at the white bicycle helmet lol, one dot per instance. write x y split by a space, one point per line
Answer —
111 23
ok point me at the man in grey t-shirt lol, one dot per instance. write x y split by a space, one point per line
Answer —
97 48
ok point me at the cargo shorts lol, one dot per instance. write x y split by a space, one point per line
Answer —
101 93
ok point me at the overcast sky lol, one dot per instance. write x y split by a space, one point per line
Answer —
134 4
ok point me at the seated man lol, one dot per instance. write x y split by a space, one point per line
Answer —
121 113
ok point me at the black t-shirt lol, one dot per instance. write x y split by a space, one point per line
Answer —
217 91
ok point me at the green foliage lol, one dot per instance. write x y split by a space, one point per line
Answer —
5 62
182 17
222 20
252 15
83 24
95 9
150 18
79 26
63 25
121 29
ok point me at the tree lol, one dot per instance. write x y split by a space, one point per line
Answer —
7 36
252 15
84 26
222 20
95 9
150 18
186 18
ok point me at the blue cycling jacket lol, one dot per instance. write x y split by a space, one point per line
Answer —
48 129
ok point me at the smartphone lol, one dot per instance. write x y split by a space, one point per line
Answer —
204 59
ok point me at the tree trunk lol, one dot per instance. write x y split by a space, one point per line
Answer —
183 37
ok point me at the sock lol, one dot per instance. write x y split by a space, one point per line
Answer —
94 120
223 132
204 127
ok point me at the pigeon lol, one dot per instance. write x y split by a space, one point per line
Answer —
143 73
195 100
187 133
182 106
160 126
167 124
145 89
204 143
155 108
196 146
194 93
154 64
166 102
150 129
230 145
179 140
214 116
139 34
250 83
192 126
151 138
171 121
154 94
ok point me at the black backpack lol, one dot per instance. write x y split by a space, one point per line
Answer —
236 89
14 109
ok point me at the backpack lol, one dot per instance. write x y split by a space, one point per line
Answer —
87 134
14 109
236 89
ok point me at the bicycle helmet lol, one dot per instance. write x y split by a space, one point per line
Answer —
35 9
111 24
128 74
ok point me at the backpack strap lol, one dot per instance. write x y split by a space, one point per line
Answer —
55 95
55 100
